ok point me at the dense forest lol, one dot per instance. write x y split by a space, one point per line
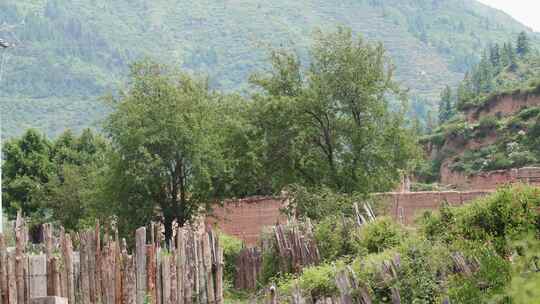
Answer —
69 53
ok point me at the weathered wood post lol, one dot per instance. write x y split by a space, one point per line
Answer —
3 271
141 264
67 254
12 282
180 262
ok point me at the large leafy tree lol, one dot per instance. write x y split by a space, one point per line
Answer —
332 124
53 177
26 166
166 133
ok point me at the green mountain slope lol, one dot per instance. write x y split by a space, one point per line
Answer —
70 52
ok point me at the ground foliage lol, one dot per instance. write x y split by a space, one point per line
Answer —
496 236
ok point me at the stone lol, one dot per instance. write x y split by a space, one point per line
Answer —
38 276
49 300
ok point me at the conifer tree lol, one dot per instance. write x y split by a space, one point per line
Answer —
446 106
523 46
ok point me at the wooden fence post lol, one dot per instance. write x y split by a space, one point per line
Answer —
151 272
3 271
20 260
67 254
180 262
219 276
85 280
166 278
97 261
129 288
141 264
12 283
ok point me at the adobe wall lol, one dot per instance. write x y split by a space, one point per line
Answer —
246 218
406 207
502 106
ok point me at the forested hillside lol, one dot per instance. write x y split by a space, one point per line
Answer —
492 120
71 52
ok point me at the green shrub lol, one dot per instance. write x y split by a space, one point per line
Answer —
333 237
529 113
319 281
378 236
231 248
495 219
483 285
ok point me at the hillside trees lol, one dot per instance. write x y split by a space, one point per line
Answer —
339 131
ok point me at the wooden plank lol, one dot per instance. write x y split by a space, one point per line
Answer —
129 288
67 255
20 260
174 279
140 245
159 281
47 239
166 278
38 276
12 282
208 277
97 257
180 261
151 272
3 271
118 272
219 276
85 283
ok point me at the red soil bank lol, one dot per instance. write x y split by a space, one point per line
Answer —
502 106
490 180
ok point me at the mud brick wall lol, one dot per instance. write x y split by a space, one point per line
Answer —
246 218
406 207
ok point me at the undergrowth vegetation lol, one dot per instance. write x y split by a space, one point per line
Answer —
485 252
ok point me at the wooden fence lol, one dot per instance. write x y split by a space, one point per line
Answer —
102 271
293 245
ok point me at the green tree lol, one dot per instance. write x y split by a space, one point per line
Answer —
495 55
336 127
523 44
25 168
446 105
167 138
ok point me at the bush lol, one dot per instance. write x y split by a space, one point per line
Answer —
529 113
486 283
378 236
496 219
231 248
333 237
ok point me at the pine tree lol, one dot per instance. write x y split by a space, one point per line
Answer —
446 105
523 46
509 56
495 55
